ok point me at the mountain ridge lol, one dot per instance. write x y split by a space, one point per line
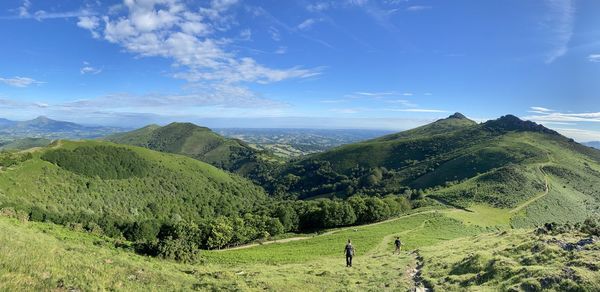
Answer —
44 127
200 143
501 163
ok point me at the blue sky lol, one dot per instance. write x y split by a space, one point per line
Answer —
388 64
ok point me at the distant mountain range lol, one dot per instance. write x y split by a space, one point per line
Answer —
594 144
298 142
43 127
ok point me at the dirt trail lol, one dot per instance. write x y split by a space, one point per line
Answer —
323 234
416 274
530 201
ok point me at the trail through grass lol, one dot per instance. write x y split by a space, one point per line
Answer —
39 256
541 195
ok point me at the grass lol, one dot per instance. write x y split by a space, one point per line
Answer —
417 229
199 143
517 260
40 256
172 185
457 257
481 215
36 257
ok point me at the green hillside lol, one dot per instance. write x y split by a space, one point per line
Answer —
78 180
25 143
503 163
200 143
438 252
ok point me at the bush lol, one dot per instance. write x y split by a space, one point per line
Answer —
180 241
591 226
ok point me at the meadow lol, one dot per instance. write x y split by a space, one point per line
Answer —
41 256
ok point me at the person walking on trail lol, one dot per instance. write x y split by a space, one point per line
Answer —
349 251
398 244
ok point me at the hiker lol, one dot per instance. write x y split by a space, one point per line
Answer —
349 251
398 244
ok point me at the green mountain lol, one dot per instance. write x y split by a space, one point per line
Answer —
503 163
199 143
52 129
77 181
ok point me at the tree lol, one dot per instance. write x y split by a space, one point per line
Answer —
359 206
179 241
221 232
287 216
376 210
274 227
145 231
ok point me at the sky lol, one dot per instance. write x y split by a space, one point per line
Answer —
388 64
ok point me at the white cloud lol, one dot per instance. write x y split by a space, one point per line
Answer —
580 134
194 39
346 110
594 58
226 97
541 109
365 93
41 104
565 117
403 102
246 34
88 22
24 9
416 8
275 34
561 18
333 100
88 69
318 7
281 50
407 94
169 29
419 110
307 24
20 81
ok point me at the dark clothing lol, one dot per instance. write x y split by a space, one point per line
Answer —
398 243
349 250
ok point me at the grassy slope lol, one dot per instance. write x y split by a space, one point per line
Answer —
518 260
55 256
36 257
197 142
502 163
39 256
174 184
572 194
139 137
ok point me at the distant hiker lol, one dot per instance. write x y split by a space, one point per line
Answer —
349 251
398 244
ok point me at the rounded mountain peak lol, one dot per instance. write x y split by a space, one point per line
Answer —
457 115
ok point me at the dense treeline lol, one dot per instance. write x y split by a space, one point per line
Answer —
182 240
103 161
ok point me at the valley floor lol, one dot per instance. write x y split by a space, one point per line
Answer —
457 255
